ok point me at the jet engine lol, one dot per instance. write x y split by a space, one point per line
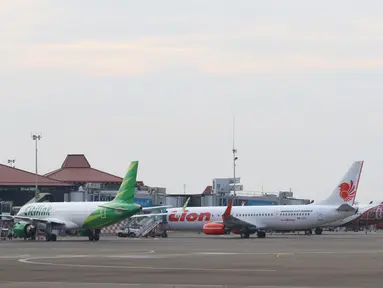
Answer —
24 230
214 229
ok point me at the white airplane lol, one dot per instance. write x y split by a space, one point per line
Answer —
368 214
246 220
85 217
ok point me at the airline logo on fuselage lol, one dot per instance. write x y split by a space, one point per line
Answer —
38 210
187 216
374 213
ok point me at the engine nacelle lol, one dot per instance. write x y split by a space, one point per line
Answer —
214 229
24 230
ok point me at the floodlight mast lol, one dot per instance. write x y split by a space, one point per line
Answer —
235 158
36 137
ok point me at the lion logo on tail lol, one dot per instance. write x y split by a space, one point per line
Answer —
347 191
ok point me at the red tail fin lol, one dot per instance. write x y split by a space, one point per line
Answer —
228 209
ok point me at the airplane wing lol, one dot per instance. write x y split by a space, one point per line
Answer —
234 222
36 220
156 207
148 215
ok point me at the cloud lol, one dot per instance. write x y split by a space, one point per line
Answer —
242 49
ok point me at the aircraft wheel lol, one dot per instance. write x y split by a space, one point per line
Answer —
318 231
261 234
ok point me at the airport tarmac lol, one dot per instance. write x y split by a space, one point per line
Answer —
337 259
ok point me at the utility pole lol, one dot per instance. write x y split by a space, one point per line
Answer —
36 137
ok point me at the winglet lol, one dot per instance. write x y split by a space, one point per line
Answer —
228 209
186 204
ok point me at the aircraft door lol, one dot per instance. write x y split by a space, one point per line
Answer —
320 216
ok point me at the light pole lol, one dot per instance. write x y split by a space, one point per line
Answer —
35 138
235 158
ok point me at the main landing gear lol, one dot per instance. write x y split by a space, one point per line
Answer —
51 237
94 235
246 234
261 234
318 231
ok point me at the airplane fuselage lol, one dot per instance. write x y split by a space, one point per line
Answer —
286 217
75 215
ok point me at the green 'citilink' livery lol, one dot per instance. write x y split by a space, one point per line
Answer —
121 207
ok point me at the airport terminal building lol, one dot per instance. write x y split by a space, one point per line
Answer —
75 181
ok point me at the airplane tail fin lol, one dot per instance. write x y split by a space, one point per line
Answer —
128 186
346 190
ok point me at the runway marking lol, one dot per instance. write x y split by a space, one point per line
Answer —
14 256
290 253
30 261
278 255
146 285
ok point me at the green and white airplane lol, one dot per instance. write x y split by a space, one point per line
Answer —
87 218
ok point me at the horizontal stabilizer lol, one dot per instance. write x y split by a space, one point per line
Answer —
345 208
143 208
114 208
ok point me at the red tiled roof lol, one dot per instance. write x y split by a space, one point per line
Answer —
75 161
10 176
76 168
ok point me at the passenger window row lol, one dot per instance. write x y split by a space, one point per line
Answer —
257 215
295 214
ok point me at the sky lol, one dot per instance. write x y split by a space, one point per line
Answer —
159 82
